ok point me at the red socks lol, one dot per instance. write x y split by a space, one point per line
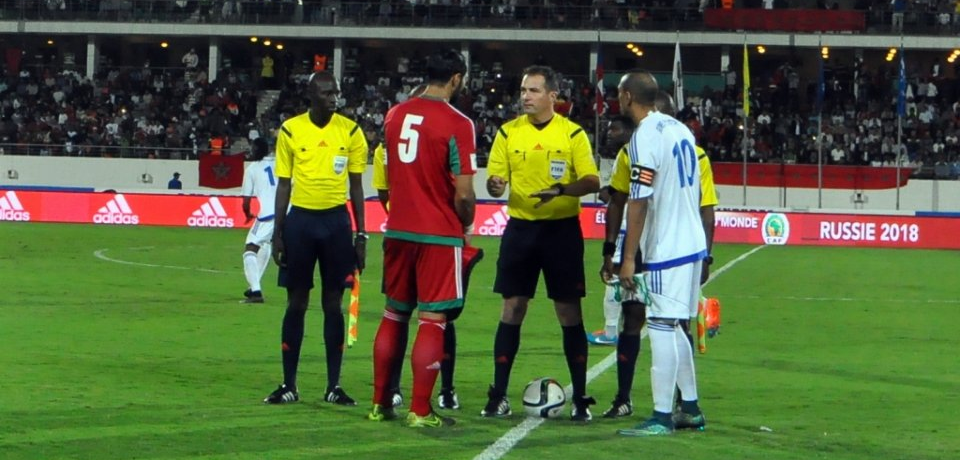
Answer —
426 359
385 351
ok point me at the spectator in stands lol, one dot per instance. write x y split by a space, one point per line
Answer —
175 183
190 60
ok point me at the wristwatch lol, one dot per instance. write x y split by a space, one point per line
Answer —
708 260
363 235
560 188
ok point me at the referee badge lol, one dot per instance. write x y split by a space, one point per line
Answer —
339 164
558 168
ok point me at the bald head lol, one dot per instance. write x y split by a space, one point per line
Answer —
665 104
641 87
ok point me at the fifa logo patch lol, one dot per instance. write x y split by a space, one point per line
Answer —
339 164
558 168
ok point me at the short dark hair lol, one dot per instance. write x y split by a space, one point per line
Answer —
665 104
259 148
642 86
442 66
550 79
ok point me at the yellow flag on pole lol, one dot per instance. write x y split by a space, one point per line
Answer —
746 81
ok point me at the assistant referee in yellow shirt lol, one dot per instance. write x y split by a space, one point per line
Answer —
318 153
548 162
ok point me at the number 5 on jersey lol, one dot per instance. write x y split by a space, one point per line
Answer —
407 147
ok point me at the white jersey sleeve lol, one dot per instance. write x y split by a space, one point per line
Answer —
259 180
665 171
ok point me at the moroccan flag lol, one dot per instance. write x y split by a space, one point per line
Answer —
221 171
746 81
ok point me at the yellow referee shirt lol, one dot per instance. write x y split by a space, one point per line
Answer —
708 192
532 159
318 159
380 168
620 179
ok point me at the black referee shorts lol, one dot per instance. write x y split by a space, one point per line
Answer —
552 246
310 237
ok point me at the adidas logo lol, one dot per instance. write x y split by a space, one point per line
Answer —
12 209
495 224
211 214
116 211
538 147
322 143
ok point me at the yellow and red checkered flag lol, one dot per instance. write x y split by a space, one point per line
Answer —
354 312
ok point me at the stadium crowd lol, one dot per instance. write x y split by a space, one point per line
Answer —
883 15
174 113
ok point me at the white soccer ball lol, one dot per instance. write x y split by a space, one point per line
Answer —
544 397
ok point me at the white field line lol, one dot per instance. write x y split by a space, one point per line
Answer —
510 439
847 299
101 254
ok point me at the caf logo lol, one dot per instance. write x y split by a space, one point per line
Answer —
775 228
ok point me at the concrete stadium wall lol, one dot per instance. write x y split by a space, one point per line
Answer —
127 176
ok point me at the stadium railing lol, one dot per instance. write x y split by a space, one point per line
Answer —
681 16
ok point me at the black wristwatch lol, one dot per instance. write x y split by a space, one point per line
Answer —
560 188
708 260
363 235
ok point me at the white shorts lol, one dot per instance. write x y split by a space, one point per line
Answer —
674 292
260 233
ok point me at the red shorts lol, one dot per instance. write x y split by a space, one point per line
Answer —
420 275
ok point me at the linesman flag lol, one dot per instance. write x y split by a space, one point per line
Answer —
746 81
678 79
353 317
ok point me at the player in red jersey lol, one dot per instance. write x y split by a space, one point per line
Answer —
431 159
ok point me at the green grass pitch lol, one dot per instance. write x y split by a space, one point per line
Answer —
145 353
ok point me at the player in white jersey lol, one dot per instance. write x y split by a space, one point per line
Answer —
258 181
663 220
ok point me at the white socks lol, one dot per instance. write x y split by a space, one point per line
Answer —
264 256
686 374
663 371
611 312
252 270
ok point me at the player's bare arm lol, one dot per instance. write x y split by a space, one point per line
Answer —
384 197
465 199
636 218
280 205
246 209
618 202
708 217
359 221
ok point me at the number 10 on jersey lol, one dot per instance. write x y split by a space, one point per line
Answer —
686 157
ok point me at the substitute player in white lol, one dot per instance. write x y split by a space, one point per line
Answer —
258 181
663 220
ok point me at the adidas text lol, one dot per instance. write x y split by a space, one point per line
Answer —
11 215
210 214
116 218
210 221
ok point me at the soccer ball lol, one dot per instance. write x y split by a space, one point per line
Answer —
543 397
